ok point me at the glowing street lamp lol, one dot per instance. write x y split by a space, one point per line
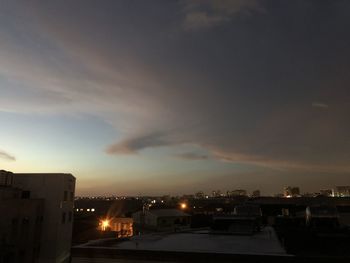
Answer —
183 205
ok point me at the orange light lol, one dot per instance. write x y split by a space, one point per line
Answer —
183 206
104 224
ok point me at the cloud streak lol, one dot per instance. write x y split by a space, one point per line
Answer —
138 143
192 156
320 105
7 156
210 13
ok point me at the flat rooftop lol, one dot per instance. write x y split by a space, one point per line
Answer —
262 243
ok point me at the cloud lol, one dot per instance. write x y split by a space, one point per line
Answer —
210 13
280 164
320 105
228 96
138 143
192 156
7 156
196 20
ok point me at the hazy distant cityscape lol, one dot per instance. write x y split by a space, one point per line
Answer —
338 191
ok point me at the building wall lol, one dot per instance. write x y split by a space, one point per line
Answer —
20 229
58 192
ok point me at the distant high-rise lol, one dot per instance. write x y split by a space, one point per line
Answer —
238 192
216 193
200 195
326 192
342 191
39 215
291 191
256 193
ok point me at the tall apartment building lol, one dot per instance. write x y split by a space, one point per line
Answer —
52 197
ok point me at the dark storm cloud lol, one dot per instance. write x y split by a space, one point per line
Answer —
7 156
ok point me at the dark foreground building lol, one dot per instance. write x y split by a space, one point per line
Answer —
36 217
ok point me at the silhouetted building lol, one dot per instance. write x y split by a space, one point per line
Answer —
256 193
326 192
238 192
216 193
291 191
200 195
342 191
162 219
20 224
40 215
322 216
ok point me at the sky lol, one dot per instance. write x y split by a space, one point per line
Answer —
159 97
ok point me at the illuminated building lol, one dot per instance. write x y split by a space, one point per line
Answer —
122 226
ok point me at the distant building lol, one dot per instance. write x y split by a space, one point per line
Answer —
322 216
291 191
342 191
122 226
40 210
200 195
216 193
238 192
256 193
326 192
162 219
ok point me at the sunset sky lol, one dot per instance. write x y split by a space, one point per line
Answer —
156 97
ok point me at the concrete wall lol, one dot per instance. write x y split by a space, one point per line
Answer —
20 229
58 192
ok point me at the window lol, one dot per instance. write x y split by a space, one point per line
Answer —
14 226
65 196
25 195
70 216
63 217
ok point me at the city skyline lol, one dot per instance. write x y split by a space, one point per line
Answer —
154 97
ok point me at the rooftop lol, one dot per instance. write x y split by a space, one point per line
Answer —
262 243
167 212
